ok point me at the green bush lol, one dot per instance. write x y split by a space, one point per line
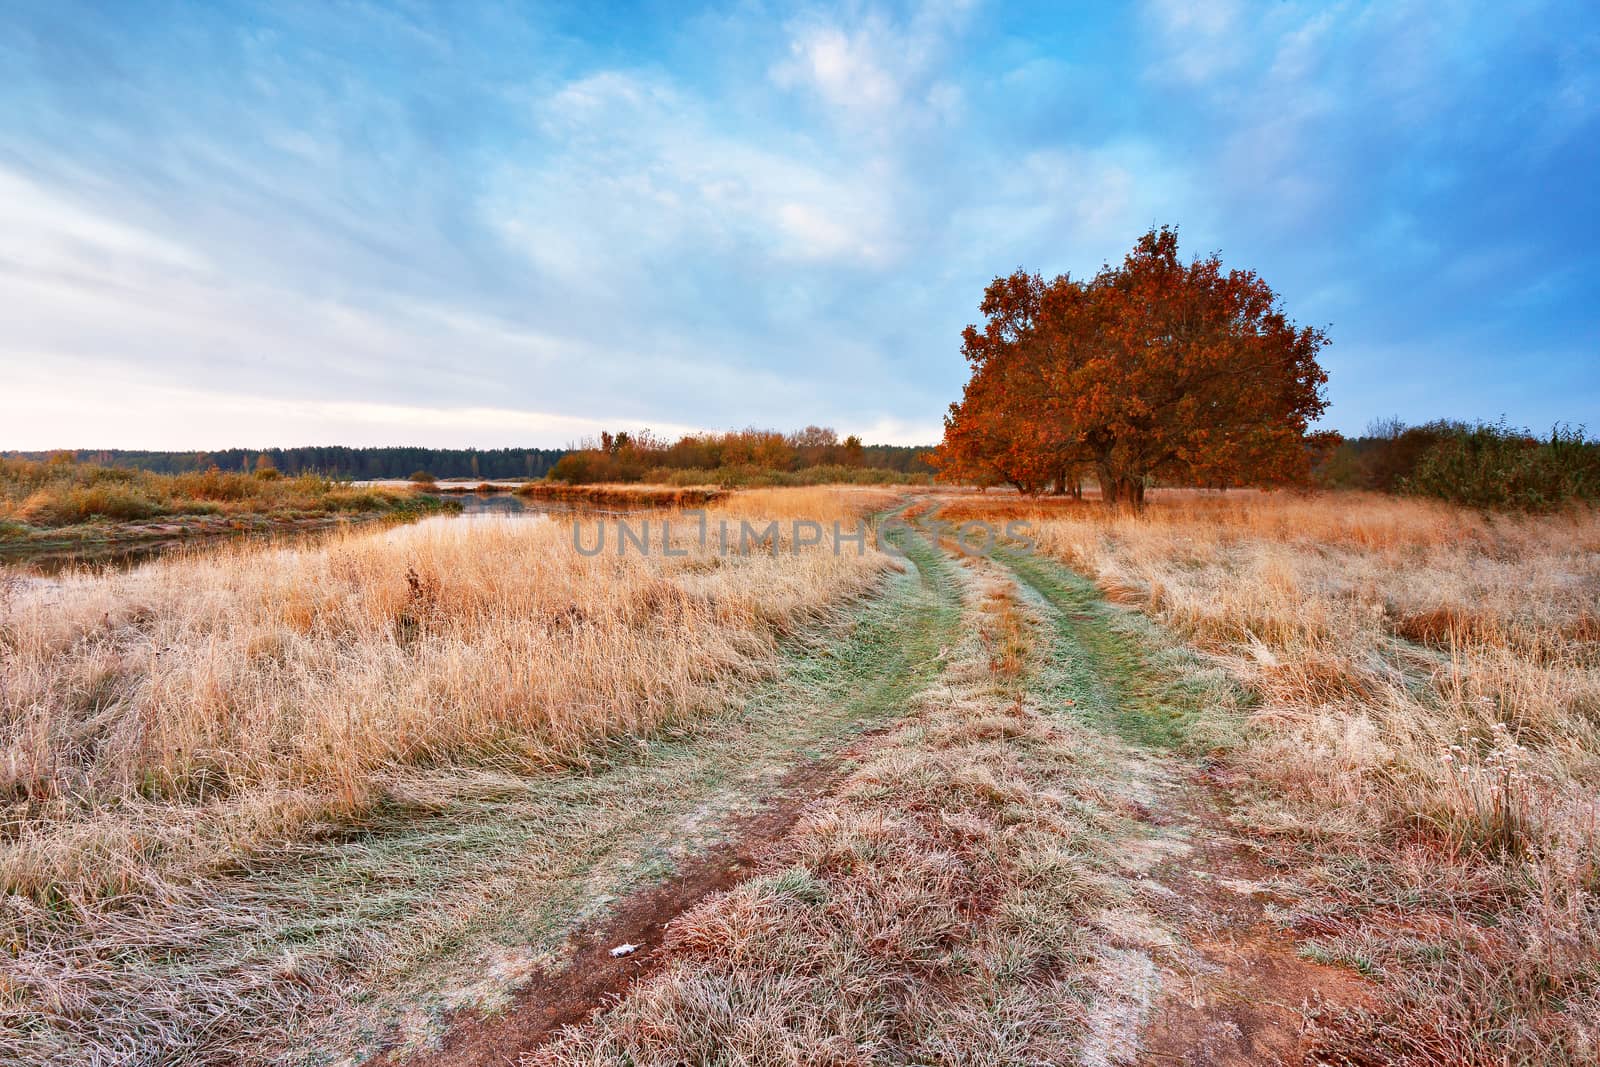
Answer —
1494 466
1383 458
357 500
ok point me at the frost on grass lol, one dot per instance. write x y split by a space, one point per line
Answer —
195 750
937 909
1423 738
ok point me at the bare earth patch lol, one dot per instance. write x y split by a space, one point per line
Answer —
1235 989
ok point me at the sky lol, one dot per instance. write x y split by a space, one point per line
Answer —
506 224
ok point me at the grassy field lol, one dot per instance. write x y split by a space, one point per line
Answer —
196 717
1424 744
1257 778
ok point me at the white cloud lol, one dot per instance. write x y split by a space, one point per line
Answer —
874 75
132 412
637 170
1201 40
47 233
845 69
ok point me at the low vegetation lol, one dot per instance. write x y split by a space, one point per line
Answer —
61 494
1486 465
1384 710
660 496
813 456
939 908
1426 742
153 731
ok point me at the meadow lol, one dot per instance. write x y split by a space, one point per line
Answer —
1423 745
168 720
271 803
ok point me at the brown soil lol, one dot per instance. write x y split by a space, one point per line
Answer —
1241 994
593 979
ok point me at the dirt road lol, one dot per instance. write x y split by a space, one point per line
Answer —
1152 940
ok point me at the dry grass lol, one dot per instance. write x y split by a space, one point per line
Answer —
937 909
1427 736
166 722
49 496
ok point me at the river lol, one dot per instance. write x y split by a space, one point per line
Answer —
47 560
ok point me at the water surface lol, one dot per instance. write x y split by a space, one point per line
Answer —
47 560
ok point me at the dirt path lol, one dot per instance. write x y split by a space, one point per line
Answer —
894 650
1201 974
592 977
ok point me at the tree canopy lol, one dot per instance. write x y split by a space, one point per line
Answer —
1152 369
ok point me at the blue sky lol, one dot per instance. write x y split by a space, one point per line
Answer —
507 224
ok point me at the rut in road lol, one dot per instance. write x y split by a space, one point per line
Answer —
1199 973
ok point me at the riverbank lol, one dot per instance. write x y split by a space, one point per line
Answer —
126 543
63 509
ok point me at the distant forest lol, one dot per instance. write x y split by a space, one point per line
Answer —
337 461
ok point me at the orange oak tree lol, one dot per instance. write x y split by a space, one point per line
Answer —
1153 369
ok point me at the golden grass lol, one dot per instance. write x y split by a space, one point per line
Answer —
1428 730
64 493
168 721
937 908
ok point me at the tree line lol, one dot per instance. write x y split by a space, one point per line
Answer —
739 455
1490 465
335 461
750 456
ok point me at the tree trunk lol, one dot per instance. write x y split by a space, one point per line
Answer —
1121 489
1108 485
